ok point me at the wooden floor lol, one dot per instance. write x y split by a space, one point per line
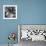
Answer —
30 43
9 45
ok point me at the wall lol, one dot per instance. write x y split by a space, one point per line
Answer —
34 12
29 12
7 26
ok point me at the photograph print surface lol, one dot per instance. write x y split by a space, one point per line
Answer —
9 11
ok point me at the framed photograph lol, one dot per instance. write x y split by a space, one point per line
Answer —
31 32
9 11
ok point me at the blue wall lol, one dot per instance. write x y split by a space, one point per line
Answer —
33 12
28 12
7 26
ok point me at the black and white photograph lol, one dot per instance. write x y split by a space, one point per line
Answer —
31 34
9 11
